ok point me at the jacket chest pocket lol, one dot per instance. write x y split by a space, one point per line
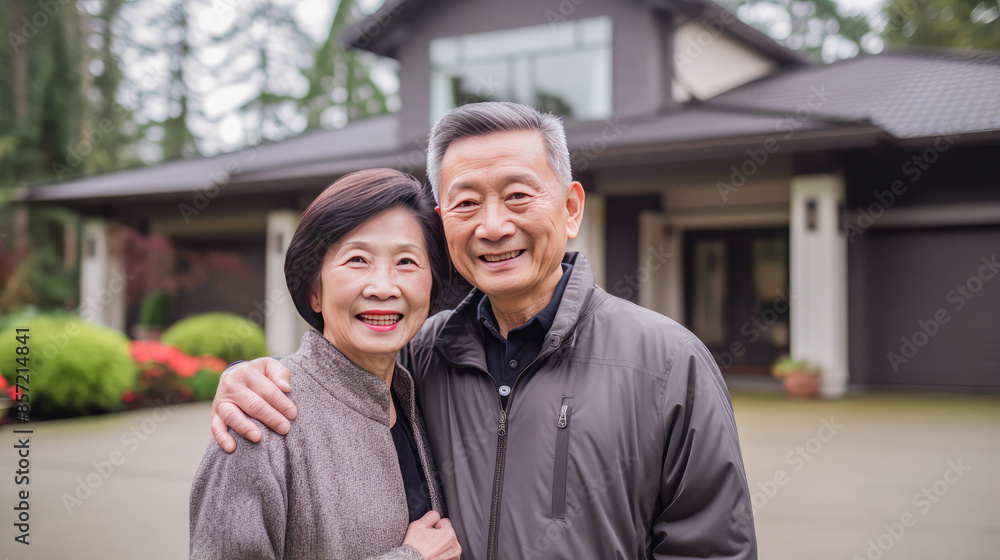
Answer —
561 466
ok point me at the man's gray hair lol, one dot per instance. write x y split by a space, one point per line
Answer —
480 119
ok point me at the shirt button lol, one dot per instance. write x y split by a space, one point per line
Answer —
504 390
512 364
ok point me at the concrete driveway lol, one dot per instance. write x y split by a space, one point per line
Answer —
872 476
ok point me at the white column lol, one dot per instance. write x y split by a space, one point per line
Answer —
819 278
282 324
102 276
590 240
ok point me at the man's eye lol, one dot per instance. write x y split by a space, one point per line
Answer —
356 260
465 204
518 196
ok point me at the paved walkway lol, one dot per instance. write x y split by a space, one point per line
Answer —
914 475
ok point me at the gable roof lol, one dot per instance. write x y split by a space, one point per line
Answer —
909 94
385 30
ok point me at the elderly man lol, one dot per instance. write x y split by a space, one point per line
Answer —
564 422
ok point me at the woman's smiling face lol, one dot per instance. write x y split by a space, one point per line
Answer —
374 289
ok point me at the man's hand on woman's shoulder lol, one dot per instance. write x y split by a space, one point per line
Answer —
253 388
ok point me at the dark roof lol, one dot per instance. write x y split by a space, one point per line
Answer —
909 94
370 142
695 132
385 30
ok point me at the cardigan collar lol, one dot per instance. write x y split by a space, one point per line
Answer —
361 390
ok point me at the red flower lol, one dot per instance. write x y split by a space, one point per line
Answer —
184 365
211 362
3 382
150 351
128 396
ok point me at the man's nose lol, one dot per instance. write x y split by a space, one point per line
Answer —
496 223
382 284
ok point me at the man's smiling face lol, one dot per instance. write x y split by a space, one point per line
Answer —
506 215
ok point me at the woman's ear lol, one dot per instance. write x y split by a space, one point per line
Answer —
316 299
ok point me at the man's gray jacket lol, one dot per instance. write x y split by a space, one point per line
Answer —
618 441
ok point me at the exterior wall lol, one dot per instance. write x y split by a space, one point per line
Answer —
689 199
708 61
919 223
638 60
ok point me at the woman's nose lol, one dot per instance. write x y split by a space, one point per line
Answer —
382 285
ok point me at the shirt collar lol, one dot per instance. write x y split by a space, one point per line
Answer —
544 318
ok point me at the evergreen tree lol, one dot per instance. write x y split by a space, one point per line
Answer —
960 24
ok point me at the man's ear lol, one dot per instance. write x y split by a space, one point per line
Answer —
574 209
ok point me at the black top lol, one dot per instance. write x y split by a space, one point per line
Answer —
417 495
506 358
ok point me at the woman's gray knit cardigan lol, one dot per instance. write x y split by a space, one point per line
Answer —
329 489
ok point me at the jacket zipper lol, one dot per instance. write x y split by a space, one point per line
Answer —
494 533
491 550
561 462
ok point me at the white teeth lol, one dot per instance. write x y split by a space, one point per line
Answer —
380 320
503 257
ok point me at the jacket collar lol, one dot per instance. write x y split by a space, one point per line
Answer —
461 341
361 390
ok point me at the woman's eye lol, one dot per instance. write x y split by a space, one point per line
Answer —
356 260
407 261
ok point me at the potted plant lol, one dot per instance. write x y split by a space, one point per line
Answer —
154 316
801 378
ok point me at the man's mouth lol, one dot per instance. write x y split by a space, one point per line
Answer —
502 257
380 319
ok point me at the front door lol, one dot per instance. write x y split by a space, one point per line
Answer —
736 295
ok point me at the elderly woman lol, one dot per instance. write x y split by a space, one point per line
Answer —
353 478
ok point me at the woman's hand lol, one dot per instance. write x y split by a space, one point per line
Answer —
433 537
253 388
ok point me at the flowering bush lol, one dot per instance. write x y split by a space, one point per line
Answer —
76 368
168 374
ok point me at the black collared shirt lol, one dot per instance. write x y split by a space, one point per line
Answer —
505 358
418 498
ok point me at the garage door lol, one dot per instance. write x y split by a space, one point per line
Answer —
925 308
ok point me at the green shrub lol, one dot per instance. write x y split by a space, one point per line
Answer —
155 310
223 335
75 367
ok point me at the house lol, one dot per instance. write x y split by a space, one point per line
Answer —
846 212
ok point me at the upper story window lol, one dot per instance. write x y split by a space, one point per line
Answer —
562 68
